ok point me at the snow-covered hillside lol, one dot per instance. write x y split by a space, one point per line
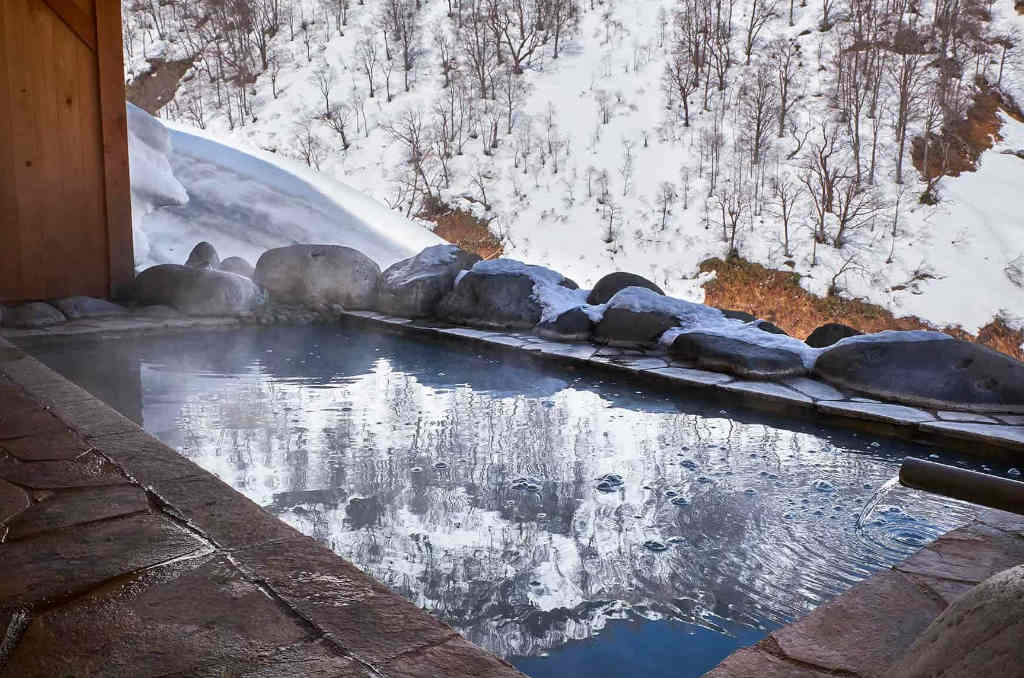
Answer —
584 163
187 187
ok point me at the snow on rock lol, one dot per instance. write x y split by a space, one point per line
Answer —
506 293
413 287
191 188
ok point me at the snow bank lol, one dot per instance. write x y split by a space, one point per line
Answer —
153 183
246 202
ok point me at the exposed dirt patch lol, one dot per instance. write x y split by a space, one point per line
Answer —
150 91
468 232
777 296
959 146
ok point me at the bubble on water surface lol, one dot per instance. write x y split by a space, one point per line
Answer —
440 466
654 545
689 463
823 486
416 469
1013 472
679 501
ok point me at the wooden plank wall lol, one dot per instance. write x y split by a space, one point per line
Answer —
65 211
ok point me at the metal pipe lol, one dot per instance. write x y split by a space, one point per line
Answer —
958 483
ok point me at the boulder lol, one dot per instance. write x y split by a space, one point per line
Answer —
928 369
830 333
503 294
978 635
319 276
610 285
637 316
737 356
88 307
238 266
197 291
32 315
203 255
572 325
412 288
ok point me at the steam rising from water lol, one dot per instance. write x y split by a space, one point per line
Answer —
525 507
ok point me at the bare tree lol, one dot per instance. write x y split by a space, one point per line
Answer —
785 57
788 192
760 13
665 199
758 108
367 57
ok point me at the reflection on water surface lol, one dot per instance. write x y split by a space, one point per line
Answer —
614 530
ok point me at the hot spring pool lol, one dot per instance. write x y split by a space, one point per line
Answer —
571 523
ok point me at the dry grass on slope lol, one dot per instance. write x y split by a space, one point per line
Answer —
777 296
468 232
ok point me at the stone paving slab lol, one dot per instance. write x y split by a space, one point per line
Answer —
53 566
150 624
885 412
61 445
57 510
769 391
758 662
86 470
864 631
692 377
1005 436
362 615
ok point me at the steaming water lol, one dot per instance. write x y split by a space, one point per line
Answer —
568 523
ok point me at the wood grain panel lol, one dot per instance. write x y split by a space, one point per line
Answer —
64 188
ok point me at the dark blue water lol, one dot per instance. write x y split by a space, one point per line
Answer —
575 524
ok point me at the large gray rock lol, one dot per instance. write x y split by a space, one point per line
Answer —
980 634
572 325
238 266
198 291
412 288
830 333
319 276
502 294
203 255
88 307
32 315
927 369
637 316
613 283
736 356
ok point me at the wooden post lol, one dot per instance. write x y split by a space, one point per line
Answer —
110 62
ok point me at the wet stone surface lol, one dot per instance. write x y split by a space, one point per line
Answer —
52 566
13 500
88 469
62 445
162 621
56 510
